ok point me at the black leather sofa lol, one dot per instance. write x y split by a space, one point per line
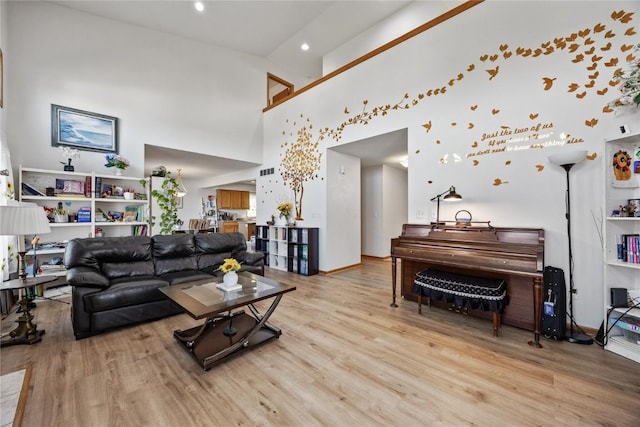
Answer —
115 280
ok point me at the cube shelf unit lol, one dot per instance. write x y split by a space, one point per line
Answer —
292 249
622 250
32 188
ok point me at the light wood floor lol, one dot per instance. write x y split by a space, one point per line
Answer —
346 358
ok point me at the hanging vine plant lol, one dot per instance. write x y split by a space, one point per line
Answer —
167 199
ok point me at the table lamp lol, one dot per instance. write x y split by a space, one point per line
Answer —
19 219
449 195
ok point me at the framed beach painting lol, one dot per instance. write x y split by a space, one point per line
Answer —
83 130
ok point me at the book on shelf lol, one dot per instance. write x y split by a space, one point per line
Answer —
628 248
30 190
87 186
139 230
98 189
69 187
131 213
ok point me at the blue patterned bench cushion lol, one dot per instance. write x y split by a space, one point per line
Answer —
462 290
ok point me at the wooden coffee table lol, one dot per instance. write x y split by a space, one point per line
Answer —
225 332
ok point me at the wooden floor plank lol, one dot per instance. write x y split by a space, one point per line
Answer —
345 358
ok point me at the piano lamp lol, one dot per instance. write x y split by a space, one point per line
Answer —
450 195
181 190
567 161
18 219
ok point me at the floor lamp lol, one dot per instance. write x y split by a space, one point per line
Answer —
449 195
567 161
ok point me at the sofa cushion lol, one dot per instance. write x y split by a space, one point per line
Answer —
174 252
184 276
112 256
214 248
125 292
214 243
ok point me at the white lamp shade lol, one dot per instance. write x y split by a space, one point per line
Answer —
568 158
23 218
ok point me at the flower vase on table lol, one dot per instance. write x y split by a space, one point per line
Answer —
119 172
230 278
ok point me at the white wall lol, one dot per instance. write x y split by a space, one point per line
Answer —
166 91
340 235
384 208
4 47
372 210
406 19
514 187
394 207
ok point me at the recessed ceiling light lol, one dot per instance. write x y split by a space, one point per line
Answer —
304 46
199 6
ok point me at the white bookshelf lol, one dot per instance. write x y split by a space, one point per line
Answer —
621 268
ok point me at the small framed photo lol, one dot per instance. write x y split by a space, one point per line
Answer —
179 202
83 130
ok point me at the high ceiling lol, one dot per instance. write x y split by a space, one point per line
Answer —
270 29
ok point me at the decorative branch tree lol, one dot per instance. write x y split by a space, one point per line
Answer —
300 163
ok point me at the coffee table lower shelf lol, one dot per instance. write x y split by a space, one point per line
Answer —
213 344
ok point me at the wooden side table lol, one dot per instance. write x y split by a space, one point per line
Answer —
26 332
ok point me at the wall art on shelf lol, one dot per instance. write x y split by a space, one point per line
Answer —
83 130
622 172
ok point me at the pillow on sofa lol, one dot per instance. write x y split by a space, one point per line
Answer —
174 252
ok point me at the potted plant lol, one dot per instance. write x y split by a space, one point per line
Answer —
284 211
69 154
116 161
167 199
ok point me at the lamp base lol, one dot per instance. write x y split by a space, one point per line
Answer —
22 266
579 338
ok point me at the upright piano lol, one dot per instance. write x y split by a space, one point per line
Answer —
515 255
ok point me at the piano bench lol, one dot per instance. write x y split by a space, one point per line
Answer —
463 292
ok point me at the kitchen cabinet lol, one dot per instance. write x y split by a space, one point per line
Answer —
230 227
232 199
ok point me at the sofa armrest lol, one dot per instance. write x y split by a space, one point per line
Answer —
250 258
87 277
